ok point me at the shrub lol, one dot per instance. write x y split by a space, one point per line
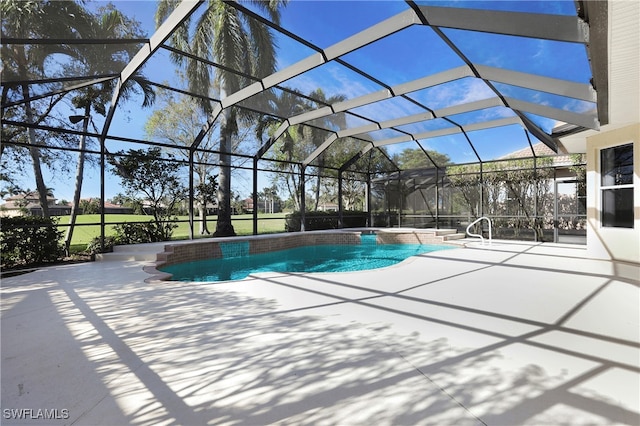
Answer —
27 240
94 245
133 233
324 220
354 219
145 232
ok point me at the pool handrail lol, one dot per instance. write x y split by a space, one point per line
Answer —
471 234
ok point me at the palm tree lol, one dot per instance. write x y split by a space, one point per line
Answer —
100 59
317 135
284 105
46 19
232 39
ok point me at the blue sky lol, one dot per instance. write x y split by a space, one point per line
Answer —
399 58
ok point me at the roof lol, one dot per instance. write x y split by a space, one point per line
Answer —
471 81
622 82
540 150
30 196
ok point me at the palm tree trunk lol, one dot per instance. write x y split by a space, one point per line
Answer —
34 152
224 228
79 177
202 208
315 208
293 189
3 101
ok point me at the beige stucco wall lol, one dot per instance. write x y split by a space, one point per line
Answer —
612 243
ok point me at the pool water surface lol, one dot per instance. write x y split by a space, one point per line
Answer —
319 258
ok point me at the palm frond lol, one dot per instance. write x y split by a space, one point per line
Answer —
263 49
271 7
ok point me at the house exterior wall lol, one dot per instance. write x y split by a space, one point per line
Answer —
612 243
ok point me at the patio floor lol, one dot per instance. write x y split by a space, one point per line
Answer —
518 333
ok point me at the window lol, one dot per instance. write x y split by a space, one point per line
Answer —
616 167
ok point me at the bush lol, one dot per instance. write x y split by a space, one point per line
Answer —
94 245
324 220
354 219
132 233
29 240
146 232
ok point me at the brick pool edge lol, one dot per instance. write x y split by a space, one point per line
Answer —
210 248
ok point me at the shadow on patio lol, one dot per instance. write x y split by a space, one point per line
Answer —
297 349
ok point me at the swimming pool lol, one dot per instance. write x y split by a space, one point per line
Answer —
317 258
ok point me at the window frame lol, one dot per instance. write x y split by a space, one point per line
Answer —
613 187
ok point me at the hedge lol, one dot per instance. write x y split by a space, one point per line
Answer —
30 240
324 220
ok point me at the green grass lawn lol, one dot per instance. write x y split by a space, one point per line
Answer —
84 232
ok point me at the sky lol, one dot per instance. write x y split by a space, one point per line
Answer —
401 57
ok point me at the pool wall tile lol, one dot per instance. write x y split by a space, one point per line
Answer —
199 250
210 248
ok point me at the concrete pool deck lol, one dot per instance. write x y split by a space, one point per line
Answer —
518 333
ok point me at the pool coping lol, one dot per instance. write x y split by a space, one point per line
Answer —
192 250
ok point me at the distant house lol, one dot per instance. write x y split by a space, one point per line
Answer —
16 205
328 207
247 205
269 205
211 208
541 150
110 208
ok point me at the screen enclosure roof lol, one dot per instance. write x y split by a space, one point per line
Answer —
434 81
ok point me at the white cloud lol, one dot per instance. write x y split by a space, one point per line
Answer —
456 92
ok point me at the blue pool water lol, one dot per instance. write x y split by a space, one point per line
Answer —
321 258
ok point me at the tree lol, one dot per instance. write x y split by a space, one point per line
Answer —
467 180
416 158
299 141
236 202
90 206
267 200
101 59
151 178
514 187
353 192
35 19
286 104
353 187
317 136
205 194
237 42
178 123
127 201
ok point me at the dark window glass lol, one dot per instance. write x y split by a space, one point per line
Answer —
582 198
617 208
617 165
616 168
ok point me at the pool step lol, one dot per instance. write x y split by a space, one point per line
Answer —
138 257
133 252
418 236
456 236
